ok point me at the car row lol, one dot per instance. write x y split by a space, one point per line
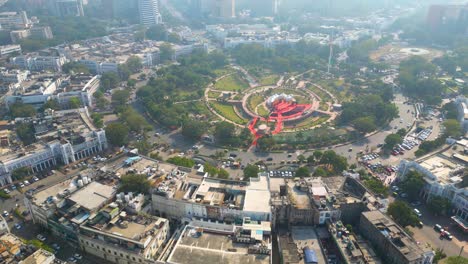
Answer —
370 156
424 134
278 173
443 232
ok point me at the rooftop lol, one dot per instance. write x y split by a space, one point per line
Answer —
399 239
306 237
205 245
93 196
39 257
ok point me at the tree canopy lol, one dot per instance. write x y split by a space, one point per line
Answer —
22 110
135 183
117 134
250 171
303 172
413 184
181 161
402 213
392 140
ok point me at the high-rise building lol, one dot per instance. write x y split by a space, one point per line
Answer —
65 8
14 20
149 12
223 8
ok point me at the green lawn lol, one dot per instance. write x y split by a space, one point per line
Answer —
269 80
232 82
262 111
255 100
310 122
223 71
228 112
214 94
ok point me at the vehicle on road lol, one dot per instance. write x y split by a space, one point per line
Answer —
417 212
438 228
5 214
41 237
77 256
72 260
270 159
55 246
445 234
18 226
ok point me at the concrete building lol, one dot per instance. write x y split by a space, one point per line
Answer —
186 196
391 241
13 76
149 12
17 35
223 8
462 107
119 237
216 242
41 256
14 20
76 139
443 174
39 63
66 8
9 49
301 245
41 32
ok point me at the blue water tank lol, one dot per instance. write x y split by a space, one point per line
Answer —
310 256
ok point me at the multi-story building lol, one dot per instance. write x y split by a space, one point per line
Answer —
14 20
8 49
217 242
149 12
65 8
391 241
462 107
14 251
188 196
3 226
41 32
443 174
17 35
223 8
39 63
13 76
119 237
77 139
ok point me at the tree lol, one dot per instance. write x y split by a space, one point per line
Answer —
131 83
401 132
26 133
402 213
74 102
364 124
303 172
166 52
310 159
194 129
224 132
157 32
376 186
439 205
134 64
51 104
317 155
439 255
20 173
109 80
119 98
135 183
22 110
301 158
182 161
413 184
339 163
75 67
266 143
452 128
250 171
117 134
392 140
134 120
320 172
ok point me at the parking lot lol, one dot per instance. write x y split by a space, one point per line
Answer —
427 234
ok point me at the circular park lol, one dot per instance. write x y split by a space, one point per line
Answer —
286 106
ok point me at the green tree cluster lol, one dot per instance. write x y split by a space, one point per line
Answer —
117 134
251 171
194 129
402 213
335 163
26 133
439 205
392 140
22 110
182 161
135 183
303 172
216 172
412 184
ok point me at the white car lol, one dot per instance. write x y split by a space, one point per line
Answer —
41 237
26 183
5 214
77 256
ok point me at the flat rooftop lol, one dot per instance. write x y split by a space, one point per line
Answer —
93 195
440 167
307 237
41 196
257 196
212 248
39 257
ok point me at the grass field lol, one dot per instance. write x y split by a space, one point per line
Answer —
223 71
232 82
310 122
228 112
262 111
269 80
214 94
255 100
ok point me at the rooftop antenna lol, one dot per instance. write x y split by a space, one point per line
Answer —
331 53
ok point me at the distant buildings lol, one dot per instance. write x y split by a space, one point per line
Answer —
66 8
462 107
223 8
9 49
35 62
391 241
14 251
440 15
149 12
34 32
14 20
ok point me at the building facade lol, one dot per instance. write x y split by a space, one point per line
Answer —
149 12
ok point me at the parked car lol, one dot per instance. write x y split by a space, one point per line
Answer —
417 212
18 226
438 228
41 237
72 260
446 234
5 214
77 256
55 246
